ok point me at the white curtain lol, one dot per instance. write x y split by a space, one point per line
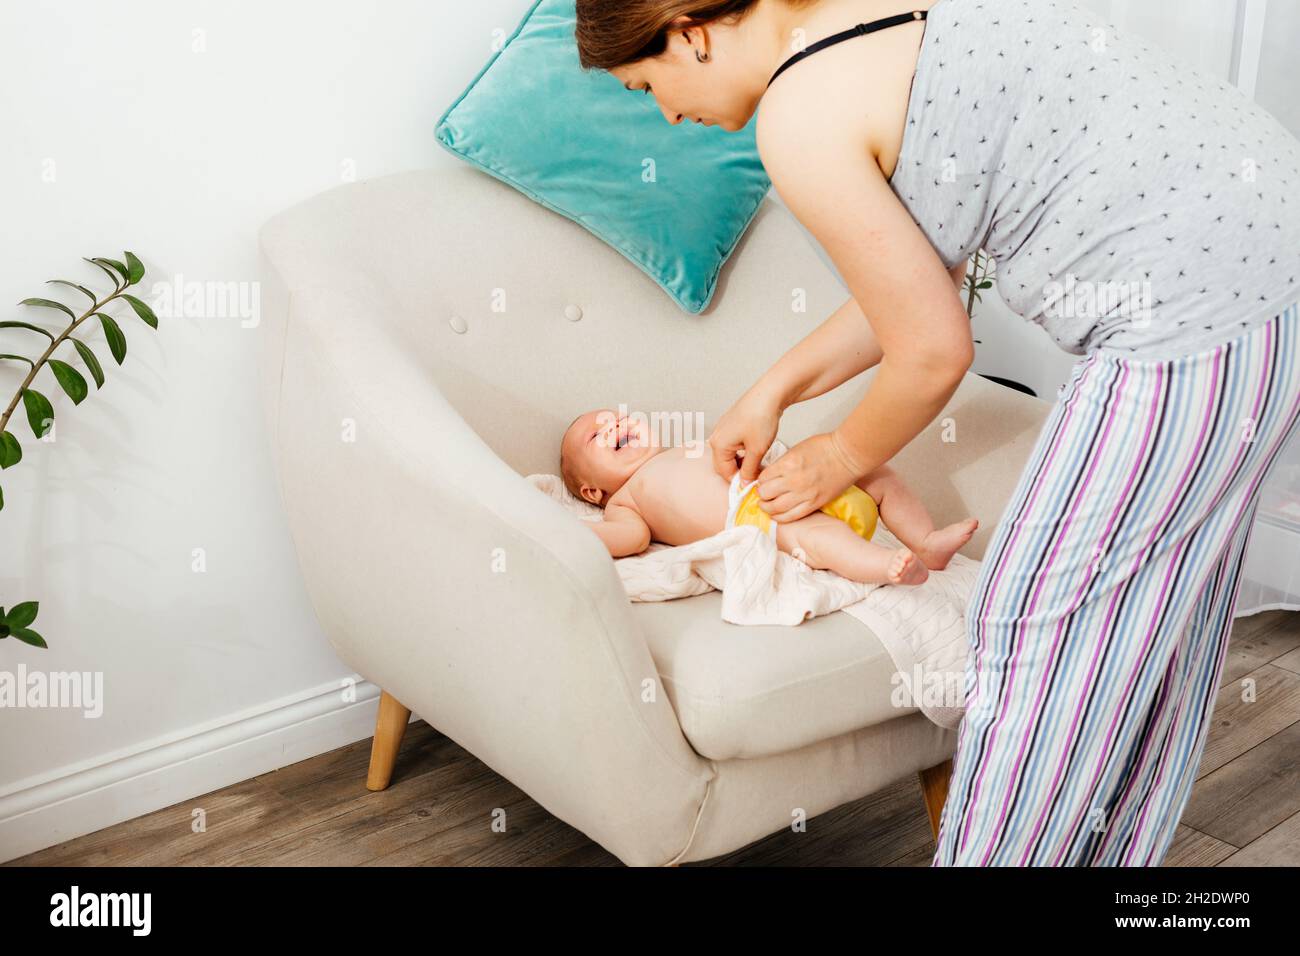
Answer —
1267 36
1271 576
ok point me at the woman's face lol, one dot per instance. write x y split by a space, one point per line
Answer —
716 92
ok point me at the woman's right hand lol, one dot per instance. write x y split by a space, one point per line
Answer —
745 432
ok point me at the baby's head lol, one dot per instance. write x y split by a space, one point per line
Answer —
600 451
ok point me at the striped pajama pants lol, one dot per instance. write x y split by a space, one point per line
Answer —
1100 621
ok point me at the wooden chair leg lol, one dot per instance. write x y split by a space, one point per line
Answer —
389 728
934 789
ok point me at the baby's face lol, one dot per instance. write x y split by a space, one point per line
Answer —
604 450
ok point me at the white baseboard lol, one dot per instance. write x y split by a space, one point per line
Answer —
80 799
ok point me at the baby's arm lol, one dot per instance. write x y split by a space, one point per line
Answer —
623 531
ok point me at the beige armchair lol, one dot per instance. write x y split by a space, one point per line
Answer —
427 338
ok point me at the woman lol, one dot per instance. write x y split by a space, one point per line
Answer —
1148 218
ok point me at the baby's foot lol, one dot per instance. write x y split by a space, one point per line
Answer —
906 568
939 546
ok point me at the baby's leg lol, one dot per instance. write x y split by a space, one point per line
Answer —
829 544
907 518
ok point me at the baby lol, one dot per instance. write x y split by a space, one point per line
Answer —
672 494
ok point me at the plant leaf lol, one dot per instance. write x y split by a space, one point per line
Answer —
27 325
117 266
113 333
50 304
28 636
986 284
103 268
91 361
72 285
142 310
20 615
134 268
2 499
39 411
72 381
22 358
11 453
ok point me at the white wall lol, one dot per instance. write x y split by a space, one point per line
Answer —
174 129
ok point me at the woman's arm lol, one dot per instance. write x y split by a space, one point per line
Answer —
840 348
827 177
843 346
958 273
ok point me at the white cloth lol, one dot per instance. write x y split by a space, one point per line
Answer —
922 626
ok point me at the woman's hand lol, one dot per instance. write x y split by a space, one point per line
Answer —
746 431
806 477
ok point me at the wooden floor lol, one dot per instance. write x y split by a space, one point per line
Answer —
1245 809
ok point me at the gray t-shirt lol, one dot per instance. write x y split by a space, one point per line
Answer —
1128 200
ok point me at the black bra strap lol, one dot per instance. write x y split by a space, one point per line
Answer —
860 30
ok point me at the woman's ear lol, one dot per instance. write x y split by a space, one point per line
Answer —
695 35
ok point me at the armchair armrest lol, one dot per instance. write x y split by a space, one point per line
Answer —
446 578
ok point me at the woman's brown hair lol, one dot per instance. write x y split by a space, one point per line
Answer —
611 33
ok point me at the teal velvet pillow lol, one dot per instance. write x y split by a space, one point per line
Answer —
674 200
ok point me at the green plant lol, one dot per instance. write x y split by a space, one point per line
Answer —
14 624
40 413
976 279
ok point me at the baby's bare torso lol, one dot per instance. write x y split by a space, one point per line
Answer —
678 494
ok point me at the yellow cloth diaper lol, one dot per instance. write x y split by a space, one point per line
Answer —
854 507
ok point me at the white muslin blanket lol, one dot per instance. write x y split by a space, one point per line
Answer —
922 626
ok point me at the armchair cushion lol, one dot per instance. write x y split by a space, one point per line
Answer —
765 689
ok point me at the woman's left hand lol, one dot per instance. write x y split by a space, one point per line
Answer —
806 477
